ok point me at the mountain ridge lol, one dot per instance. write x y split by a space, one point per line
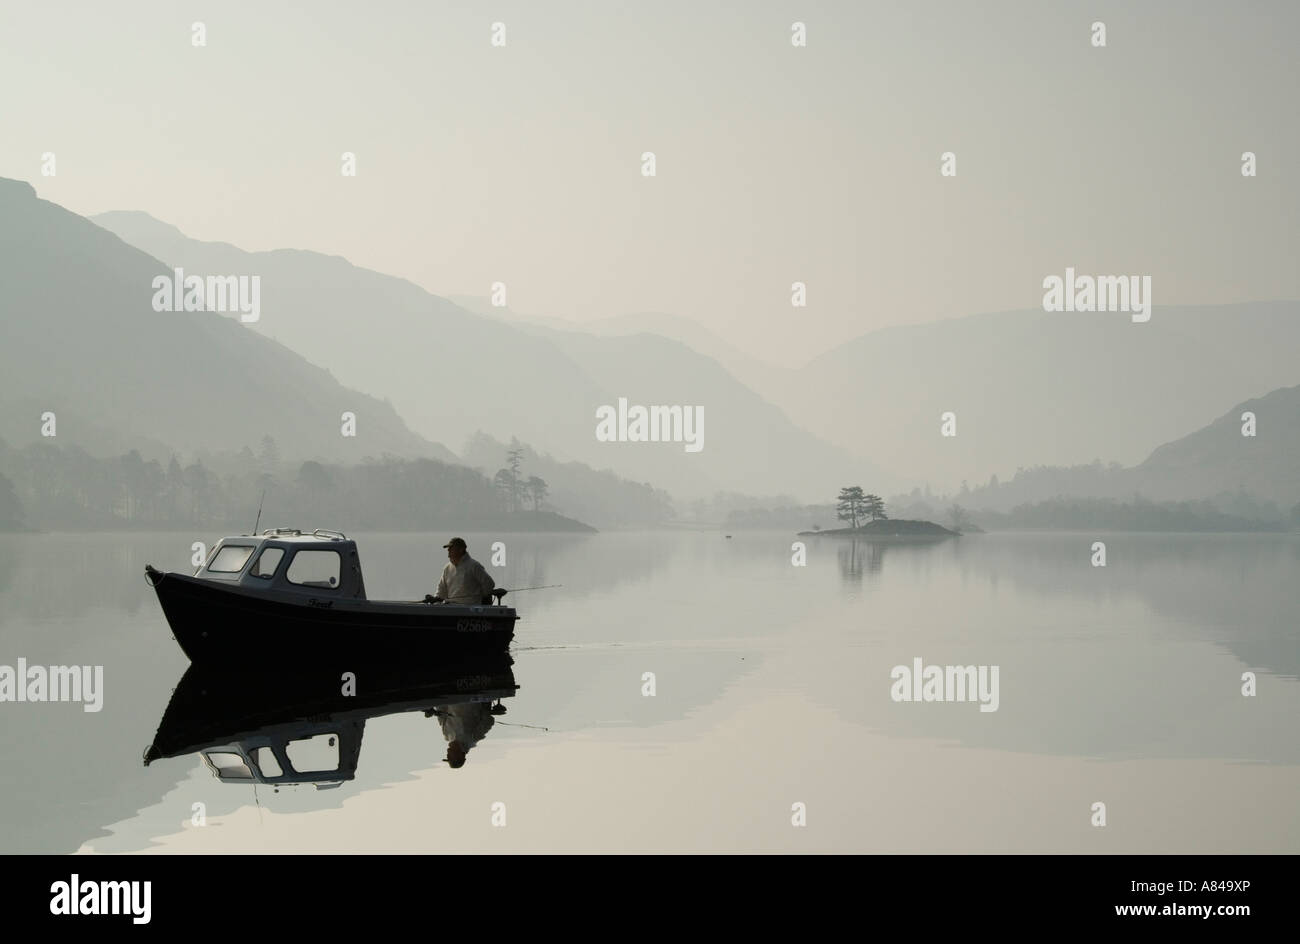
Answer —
541 386
83 335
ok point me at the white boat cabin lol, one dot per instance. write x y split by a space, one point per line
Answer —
320 562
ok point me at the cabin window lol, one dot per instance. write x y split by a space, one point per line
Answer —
229 766
315 569
230 559
265 760
266 563
314 753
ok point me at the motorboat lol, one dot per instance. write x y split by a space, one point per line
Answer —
286 593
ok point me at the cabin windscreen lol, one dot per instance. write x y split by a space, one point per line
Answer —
267 562
315 568
230 559
314 754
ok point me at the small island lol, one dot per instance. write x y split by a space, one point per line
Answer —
868 521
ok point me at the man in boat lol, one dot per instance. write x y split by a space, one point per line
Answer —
464 580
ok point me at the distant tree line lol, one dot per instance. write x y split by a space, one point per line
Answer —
1043 482
47 486
11 510
598 497
1113 482
1139 514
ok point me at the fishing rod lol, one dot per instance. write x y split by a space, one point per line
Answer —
499 593
497 709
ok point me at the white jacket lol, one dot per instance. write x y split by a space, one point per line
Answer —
467 582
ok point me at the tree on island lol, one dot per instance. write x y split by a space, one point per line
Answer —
506 487
852 505
514 489
537 489
508 480
513 458
959 518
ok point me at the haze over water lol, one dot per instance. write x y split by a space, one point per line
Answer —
1120 685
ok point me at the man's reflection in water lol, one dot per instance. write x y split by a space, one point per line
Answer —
464 724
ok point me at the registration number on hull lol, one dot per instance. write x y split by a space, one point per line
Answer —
473 626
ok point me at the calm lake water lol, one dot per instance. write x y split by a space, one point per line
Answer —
1120 685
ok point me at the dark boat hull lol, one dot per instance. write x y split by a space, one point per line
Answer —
216 623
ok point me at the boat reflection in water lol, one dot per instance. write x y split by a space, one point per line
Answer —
304 725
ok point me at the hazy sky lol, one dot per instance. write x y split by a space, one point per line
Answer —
774 164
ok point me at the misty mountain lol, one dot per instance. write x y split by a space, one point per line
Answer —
769 452
1105 392
749 370
83 341
20 424
754 373
1037 388
1218 458
1242 474
452 373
